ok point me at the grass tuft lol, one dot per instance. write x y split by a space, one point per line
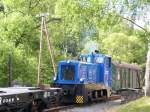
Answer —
139 105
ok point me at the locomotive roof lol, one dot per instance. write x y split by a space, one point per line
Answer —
75 62
95 54
69 61
126 65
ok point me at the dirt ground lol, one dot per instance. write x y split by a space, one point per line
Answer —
96 107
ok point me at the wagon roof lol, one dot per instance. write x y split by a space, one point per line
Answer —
127 65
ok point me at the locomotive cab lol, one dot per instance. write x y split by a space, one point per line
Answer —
67 72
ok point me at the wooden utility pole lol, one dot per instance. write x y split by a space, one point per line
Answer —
50 48
9 70
49 43
40 52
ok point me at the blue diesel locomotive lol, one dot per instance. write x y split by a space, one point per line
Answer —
85 80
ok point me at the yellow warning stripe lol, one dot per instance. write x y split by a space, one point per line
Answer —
79 99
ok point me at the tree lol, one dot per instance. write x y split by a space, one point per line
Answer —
82 22
123 47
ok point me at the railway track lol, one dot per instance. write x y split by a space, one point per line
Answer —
63 107
111 98
114 97
57 108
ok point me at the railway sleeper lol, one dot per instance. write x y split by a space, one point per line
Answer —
130 94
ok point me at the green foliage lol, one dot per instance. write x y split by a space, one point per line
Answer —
83 23
123 47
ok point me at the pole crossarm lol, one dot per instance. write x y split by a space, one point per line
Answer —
48 21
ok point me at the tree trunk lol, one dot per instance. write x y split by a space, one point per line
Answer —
147 73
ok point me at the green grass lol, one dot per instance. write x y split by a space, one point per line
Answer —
139 105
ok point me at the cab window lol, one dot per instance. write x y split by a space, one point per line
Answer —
68 72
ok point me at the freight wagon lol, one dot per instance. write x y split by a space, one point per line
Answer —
27 99
125 76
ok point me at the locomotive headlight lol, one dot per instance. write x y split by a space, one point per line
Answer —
81 80
54 78
68 61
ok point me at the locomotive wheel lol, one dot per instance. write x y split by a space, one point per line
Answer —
37 105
